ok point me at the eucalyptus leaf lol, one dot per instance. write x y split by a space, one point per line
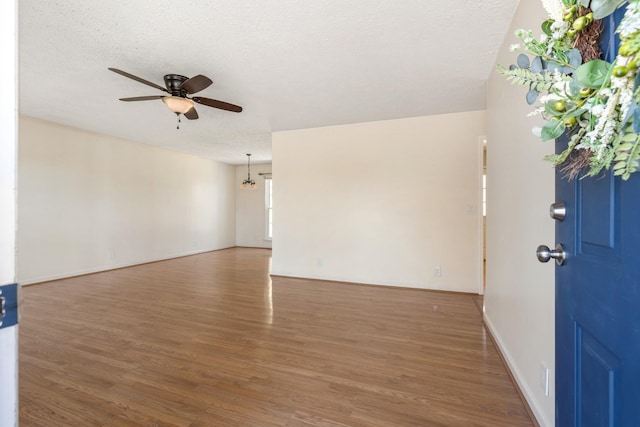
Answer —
575 113
636 120
553 66
594 73
574 57
636 82
552 130
523 61
604 8
536 65
632 108
575 86
512 67
532 95
545 65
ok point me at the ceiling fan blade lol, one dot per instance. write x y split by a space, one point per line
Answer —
142 98
138 79
217 104
196 84
192 114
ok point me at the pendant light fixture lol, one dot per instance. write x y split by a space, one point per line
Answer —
248 182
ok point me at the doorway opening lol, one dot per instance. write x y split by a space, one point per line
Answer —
483 217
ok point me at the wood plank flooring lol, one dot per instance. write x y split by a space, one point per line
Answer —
211 340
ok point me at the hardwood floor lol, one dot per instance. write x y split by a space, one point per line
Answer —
209 340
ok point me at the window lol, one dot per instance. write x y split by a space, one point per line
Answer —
268 197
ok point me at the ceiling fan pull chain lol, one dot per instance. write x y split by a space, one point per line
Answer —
178 125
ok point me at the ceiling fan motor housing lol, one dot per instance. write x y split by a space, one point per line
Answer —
173 83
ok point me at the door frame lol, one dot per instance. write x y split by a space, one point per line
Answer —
8 203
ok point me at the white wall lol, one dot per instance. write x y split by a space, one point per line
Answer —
381 202
251 217
519 300
89 202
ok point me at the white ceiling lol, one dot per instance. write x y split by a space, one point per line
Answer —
291 64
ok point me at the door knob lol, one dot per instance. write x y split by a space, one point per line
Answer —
544 254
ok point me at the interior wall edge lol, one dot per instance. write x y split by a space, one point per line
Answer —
517 375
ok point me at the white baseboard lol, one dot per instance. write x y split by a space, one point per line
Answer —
107 267
524 387
370 281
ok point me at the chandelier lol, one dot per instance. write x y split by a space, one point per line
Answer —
248 182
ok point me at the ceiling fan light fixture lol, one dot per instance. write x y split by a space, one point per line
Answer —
178 104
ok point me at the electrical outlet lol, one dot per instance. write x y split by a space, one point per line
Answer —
437 271
544 378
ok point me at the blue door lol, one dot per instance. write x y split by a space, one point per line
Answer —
598 299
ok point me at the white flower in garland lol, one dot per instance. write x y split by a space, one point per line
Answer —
631 21
610 116
554 9
596 110
559 30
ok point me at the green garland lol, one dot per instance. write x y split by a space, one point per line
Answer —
594 101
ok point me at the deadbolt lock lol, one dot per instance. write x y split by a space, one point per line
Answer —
558 211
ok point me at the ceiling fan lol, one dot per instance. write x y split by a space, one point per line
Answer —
178 88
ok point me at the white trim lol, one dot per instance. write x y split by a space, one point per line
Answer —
9 376
480 257
108 267
267 206
366 281
522 384
9 412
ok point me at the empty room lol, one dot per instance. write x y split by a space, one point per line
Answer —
313 213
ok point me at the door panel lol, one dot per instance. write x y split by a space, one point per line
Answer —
598 303
597 234
597 381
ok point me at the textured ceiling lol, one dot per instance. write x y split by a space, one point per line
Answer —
291 64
